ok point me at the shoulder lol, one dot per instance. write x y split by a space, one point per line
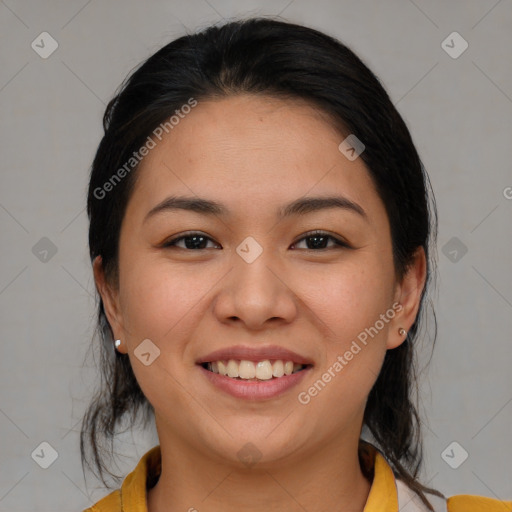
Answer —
470 503
110 503
132 492
408 501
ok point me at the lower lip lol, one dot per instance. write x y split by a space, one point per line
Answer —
254 390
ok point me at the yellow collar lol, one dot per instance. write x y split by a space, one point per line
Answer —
382 497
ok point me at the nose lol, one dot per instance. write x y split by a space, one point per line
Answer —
255 294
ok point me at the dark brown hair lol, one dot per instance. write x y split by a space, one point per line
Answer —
283 60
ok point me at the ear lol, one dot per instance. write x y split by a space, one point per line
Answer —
408 294
110 298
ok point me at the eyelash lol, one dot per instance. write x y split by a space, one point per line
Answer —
309 234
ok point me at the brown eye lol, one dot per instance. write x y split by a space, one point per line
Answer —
315 240
192 241
318 240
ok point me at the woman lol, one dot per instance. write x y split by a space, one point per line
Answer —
260 233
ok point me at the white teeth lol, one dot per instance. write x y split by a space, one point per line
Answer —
264 370
221 368
278 368
232 368
249 370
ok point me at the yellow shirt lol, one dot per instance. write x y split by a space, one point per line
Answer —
383 497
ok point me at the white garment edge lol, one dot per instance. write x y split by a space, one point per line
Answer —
409 501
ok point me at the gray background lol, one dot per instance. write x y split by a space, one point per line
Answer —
459 111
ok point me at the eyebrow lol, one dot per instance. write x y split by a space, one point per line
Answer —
301 206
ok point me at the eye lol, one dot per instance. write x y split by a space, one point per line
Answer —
196 241
193 241
318 239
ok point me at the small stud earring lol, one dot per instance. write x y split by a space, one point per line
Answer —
402 331
117 343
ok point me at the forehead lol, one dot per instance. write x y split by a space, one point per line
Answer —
252 153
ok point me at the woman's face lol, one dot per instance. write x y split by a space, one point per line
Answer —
256 281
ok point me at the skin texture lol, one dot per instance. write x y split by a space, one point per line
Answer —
254 154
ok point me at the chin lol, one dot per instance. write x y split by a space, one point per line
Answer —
252 444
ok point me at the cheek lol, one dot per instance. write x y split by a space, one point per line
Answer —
158 303
347 299
351 356
349 302
157 298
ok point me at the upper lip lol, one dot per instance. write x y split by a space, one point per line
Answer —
246 353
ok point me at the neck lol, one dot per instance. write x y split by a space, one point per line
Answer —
325 480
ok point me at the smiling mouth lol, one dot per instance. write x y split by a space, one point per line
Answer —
254 370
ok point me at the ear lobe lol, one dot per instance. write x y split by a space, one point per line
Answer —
109 298
408 294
